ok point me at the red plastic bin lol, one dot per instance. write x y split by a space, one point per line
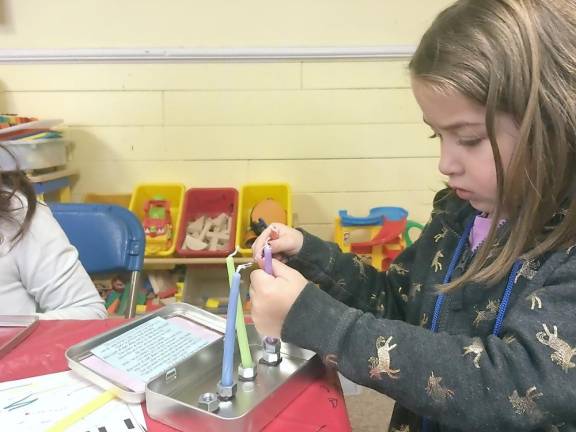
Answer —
208 202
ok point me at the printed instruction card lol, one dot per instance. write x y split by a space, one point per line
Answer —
151 348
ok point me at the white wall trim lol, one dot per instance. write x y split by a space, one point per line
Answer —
172 55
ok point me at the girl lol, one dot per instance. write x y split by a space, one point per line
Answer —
471 328
39 269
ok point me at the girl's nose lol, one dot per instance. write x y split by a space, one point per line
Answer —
449 163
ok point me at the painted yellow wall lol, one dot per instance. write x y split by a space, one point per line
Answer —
214 23
345 135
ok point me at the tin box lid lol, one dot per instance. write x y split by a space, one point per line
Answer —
14 329
77 354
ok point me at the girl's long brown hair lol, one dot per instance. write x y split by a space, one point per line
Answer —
12 183
516 57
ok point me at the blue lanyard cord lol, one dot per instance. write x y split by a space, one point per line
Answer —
453 263
506 298
426 423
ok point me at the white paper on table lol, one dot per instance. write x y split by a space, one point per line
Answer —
35 404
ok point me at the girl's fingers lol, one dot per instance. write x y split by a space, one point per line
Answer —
280 269
258 278
274 232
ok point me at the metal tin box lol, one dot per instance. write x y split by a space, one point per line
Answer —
14 329
172 396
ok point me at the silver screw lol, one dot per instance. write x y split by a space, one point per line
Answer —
226 393
271 355
209 402
246 374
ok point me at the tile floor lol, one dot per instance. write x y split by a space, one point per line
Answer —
368 410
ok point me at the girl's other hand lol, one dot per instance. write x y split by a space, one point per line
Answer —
272 296
284 242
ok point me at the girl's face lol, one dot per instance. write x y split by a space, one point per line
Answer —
466 156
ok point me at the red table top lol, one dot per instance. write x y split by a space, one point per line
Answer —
320 407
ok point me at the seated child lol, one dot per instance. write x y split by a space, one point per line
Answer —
39 269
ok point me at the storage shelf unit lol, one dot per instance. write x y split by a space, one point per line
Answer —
192 261
204 277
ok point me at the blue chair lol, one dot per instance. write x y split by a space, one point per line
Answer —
109 239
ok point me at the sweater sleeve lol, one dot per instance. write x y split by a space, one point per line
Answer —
352 281
525 380
52 274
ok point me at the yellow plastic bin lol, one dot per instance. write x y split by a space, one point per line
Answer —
123 200
170 195
250 196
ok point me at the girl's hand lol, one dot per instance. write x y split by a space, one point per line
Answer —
284 241
273 296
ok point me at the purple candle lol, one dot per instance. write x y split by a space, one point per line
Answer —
268 269
268 259
230 335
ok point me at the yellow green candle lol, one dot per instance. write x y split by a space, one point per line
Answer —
245 354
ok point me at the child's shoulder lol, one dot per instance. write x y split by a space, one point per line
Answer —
558 266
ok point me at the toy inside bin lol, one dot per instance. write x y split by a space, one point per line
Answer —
214 211
252 195
159 202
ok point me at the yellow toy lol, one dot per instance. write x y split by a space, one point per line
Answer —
377 238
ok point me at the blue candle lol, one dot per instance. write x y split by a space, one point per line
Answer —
230 335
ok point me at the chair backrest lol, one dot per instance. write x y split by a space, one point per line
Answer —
109 238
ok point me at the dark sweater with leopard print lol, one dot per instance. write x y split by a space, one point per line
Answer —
375 326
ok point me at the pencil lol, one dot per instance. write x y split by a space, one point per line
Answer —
83 411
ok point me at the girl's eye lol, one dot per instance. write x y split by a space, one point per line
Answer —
470 142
